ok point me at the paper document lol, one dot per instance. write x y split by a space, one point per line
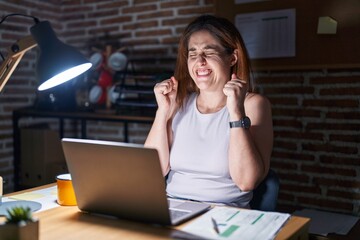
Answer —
268 34
234 223
47 197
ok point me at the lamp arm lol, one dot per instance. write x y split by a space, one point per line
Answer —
16 52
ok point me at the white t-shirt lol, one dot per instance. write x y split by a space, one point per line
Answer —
199 166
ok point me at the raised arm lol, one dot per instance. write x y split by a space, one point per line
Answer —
249 149
160 135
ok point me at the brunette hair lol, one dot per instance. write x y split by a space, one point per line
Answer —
228 36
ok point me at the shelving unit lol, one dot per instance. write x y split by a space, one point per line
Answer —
136 83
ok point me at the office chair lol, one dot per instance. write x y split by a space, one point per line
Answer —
266 194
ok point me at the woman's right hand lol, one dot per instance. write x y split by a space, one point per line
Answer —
165 94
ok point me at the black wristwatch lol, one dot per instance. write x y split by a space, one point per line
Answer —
242 123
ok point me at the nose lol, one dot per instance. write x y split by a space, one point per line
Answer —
201 59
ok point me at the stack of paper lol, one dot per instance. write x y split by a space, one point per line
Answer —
235 223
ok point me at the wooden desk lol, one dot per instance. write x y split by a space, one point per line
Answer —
69 223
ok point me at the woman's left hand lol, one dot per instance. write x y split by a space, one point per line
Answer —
235 91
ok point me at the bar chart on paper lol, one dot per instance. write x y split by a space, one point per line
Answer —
233 223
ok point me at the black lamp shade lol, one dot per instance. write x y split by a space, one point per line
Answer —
57 62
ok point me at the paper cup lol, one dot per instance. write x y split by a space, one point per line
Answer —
65 190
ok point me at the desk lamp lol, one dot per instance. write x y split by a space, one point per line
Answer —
57 62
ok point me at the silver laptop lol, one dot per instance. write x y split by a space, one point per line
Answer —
123 180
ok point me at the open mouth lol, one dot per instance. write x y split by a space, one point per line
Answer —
203 72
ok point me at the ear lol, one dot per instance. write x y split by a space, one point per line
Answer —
234 57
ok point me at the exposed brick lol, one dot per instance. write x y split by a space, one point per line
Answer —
331 103
179 30
283 101
138 25
354 115
326 147
332 126
295 112
6 8
99 14
178 4
355 91
74 33
79 9
343 194
334 171
153 33
355 137
293 156
285 145
288 90
293 177
286 196
177 21
299 189
101 30
291 123
139 9
112 4
81 24
85 1
298 135
331 182
209 2
326 203
298 81
282 165
355 161
141 42
335 80
196 10
137 2
74 17
157 14
16 31
170 40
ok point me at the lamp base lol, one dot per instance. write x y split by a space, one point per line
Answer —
34 206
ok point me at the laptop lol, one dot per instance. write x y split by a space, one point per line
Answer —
123 180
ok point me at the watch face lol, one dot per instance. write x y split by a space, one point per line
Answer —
246 122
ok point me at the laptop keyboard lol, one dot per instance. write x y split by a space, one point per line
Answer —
175 214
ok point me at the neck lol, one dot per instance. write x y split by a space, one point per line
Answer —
210 103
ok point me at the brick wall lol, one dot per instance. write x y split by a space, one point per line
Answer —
316 128
316 113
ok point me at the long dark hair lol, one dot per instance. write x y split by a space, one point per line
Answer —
228 36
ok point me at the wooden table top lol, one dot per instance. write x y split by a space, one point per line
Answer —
69 223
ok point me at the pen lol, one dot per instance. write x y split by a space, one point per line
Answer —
215 226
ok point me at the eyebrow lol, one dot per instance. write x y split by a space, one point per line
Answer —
207 47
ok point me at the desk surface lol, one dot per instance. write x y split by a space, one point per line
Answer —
70 223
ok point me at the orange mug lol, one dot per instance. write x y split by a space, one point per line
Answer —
65 190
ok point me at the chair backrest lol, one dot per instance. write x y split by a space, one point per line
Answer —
266 194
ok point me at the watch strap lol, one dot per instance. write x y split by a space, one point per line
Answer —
242 123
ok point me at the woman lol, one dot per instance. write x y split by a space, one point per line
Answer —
207 148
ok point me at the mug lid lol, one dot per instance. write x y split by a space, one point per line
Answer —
65 176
